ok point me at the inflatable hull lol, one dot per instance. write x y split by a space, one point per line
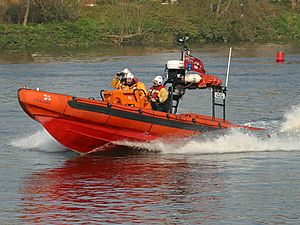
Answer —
86 125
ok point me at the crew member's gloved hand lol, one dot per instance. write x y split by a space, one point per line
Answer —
152 100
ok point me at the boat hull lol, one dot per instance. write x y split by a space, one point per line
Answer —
86 125
84 137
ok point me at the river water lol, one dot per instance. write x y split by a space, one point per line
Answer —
233 177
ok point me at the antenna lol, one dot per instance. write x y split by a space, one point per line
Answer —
183 41
228 67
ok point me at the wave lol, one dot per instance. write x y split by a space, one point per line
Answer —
41 140
279 136
292 122
233 141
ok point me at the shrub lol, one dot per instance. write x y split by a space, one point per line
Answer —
287 26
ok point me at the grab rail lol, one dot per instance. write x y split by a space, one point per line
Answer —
135 95
101 94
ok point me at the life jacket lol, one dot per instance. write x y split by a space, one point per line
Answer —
154 91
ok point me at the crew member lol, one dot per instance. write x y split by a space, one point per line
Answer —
125 81
158 95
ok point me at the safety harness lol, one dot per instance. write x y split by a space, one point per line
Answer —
154 92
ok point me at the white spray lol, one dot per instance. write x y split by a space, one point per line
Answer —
292 122
41 140
283 137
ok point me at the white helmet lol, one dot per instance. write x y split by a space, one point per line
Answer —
128 75
158 80
126 70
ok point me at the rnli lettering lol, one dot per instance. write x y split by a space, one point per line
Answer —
45 100
42 101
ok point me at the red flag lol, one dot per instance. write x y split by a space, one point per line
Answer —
193 63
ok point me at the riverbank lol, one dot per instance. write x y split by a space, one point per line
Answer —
108 25
96 54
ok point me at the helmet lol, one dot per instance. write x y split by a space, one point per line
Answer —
129 75
158 80
125 71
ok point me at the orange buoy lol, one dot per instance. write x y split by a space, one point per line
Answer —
280 57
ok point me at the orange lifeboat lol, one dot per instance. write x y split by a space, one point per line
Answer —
85 125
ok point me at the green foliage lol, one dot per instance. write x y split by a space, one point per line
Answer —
66 23
287 26
155 26
212 32
77 33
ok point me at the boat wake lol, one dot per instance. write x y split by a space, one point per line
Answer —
40 140
279 136
292 122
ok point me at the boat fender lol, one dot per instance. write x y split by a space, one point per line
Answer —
91 98
109 105
219 124
168 115
140 111
74 99
192 78
194 120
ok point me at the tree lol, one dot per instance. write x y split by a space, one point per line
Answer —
26 13
218 6
294 4
129 19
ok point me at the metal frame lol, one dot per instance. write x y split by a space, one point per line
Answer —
214 103
222 89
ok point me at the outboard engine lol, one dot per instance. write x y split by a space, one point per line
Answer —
175 76
176 70
178 75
